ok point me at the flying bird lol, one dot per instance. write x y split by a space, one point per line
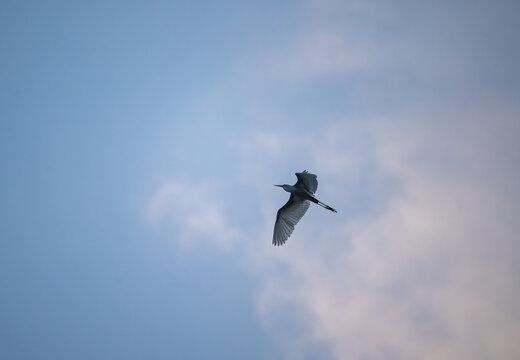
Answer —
288 216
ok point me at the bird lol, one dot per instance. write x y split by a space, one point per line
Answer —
290 214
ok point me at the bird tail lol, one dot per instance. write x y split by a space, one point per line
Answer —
316 201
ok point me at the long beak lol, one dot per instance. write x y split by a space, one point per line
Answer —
279 185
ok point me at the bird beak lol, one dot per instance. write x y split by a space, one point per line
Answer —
279 185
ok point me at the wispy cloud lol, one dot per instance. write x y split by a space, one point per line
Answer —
431 277
318 53
193 211
421 261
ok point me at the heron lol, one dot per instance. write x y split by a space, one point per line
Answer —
290 214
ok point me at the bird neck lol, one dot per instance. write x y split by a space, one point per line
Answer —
288 188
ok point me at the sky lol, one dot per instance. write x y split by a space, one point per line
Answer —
139 142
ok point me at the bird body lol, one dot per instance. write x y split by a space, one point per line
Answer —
290 214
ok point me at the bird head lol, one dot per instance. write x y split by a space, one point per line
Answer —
285 187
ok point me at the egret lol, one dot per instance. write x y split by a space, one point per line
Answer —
288 216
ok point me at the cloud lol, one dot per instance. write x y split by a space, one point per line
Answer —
434 276
193 211
319 53
420 261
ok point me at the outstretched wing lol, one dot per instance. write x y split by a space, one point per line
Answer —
287 217
307 180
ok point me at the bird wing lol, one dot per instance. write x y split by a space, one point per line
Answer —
287 217
307 180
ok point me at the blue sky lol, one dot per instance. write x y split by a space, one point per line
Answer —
139 143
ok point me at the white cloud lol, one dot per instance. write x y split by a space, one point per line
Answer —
318 53
194 212
429 271
434 276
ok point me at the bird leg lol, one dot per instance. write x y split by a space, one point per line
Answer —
316 201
